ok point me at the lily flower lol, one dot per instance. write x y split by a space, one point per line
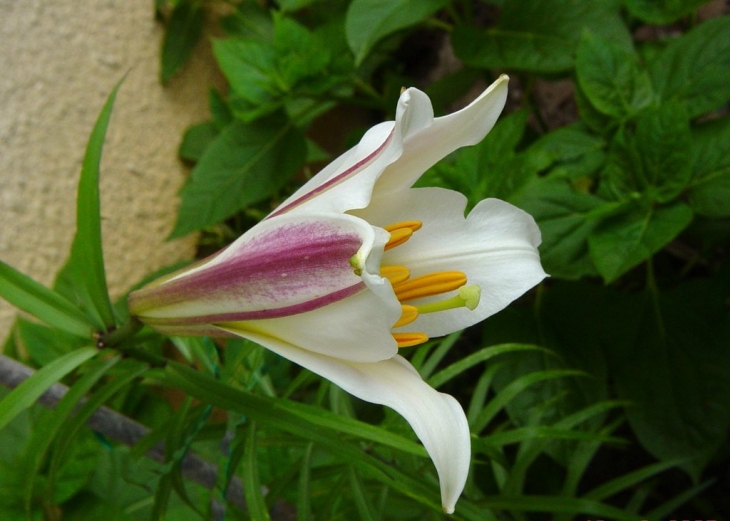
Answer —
357 264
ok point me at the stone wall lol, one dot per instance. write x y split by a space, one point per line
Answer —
59 60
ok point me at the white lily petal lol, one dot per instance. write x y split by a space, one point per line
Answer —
432 142
437 419
356 329
496 246
348 181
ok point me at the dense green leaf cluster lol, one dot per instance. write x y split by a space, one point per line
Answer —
603 394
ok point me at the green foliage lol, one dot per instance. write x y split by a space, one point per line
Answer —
619 358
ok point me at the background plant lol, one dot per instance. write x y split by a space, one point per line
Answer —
605 393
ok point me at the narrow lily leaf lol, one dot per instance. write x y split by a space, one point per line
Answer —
290 416
124 374
251 483
362 502
626 481
513 389
46 432
30 390
557 504
87 260
43 303
482 355
304 490
368 21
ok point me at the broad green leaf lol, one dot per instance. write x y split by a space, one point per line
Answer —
709 192
369 21
245 164
182 33
43 303
660 12
623 241
86 261
250 68
538 35
695 68
674 366
611 78
31 389
565 144
566 218
197 139
654 159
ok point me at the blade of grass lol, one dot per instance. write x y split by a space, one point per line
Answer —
360 497
304 489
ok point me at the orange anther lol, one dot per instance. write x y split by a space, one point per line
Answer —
429 285
408 315
395 274
410 339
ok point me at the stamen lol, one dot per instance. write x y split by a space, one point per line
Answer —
413 225
398 237
468 297
395 274
429 285
408 315
410 339
401 232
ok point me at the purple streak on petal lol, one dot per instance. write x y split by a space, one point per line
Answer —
333 181
280 265
295 309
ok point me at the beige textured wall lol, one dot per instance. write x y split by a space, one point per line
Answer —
59 59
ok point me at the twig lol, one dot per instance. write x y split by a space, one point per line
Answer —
121 429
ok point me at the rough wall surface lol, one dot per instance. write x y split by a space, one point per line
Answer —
59 60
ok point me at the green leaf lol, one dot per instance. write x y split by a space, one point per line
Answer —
623 241
245 164
566 218
31 389
695 68
182 33
610 77
45 344
197 139
45 304
655 159
250 68
538 35
368 21
709 193
86 261
674 366
660 12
